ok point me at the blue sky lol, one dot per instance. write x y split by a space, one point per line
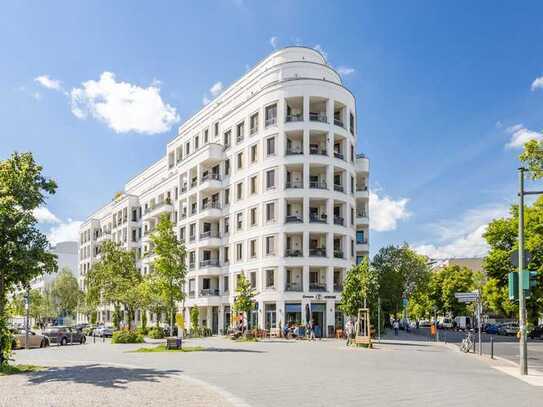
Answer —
446 93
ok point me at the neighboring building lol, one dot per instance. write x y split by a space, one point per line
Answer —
264 181
67 258
473 263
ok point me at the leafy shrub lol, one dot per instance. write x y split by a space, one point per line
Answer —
156 333
142 331
126 336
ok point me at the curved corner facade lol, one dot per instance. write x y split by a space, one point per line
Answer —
264 181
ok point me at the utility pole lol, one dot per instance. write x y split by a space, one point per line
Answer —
521 300
27 324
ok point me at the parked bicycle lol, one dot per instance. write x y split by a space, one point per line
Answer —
467 343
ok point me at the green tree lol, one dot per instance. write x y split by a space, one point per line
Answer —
66 294
502 237
533 157
169 265
23 248
114 279
400 271
150 293
244 301
194 320
360 289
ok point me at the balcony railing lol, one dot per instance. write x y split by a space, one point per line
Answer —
271 121
362 188
239 138
294 185
294 118
318 252
294 219
361 241
192 238
318 184
192 294
338 254
338 220
293 287
339 155
211 176
209 234
318 117
338 287
339 122
317 287
194 183
253 130
294 151
360 155
293 253
192 266
361 215
211 205
209 263
317 151
339 188
318 218
158 205
209 292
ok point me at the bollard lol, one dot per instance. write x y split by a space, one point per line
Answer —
491 347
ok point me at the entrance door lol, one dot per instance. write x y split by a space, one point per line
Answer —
215 320
318 313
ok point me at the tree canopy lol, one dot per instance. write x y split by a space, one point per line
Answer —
23 248
360 289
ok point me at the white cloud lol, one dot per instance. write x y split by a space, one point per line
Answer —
124 107
462 237
345 70
520 135
537 84
322 51
215 90
64 231
274 41
49 83
44 215
385 213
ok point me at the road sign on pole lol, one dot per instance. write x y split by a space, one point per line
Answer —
467 297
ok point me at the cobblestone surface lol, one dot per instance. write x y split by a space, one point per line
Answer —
322 373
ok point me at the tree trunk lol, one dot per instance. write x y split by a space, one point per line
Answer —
2 319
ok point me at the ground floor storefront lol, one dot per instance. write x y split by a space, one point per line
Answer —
323 313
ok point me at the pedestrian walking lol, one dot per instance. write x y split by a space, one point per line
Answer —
396 326
349 328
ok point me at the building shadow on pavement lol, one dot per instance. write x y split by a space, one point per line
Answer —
99 375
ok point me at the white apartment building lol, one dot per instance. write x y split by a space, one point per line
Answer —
264 181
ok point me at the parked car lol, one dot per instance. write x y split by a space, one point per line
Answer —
510 328
536 332
103 331
491 329
64 335
34 340
445 323
424 323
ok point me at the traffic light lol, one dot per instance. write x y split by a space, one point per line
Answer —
529 282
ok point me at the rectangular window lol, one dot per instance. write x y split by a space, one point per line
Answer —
240 132
227 167
270 245
227 254
351 123
227 196
216 129
254 123
270 212
253 216
239 251
196 142
226 225
225 286
271 115
270 146
240 160
206 136
187 149
239 191
253 279
270 179
227 138
360 237
254 153
252 245
254 182
239 221
270 278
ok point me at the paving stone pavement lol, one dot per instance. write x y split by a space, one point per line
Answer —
320 373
